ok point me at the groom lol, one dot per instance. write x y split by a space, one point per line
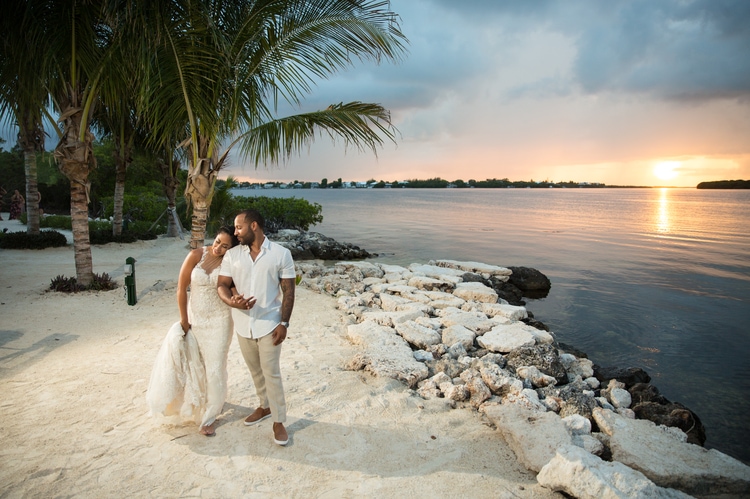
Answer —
263 273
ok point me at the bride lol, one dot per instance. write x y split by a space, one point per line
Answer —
189 378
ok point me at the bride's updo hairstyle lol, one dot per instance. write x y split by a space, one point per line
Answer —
229 230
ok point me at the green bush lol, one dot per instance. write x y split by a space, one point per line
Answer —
100 231
104 236
61 222
70 285
23 240
280 213
137 206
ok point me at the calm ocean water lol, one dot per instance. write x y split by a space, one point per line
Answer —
650 278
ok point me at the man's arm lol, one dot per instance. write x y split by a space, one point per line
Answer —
287 304
228 294
287 300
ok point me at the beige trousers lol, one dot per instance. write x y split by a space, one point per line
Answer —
262 358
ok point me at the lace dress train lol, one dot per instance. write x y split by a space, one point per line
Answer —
189 378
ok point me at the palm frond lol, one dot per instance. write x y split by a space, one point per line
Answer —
359 124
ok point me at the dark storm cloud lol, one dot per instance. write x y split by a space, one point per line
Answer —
674 49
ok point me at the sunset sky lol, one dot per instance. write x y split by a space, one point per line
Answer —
636 92
624 92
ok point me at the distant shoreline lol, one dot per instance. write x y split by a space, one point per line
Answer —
725 184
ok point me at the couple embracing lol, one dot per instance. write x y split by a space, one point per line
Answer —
242 271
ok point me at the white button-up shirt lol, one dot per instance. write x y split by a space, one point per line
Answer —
262 279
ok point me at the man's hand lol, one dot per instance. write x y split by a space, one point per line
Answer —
278 334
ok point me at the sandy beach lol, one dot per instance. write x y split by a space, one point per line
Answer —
74 370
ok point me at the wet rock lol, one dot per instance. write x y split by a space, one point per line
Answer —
527 279
644 392
630 376
675 415
544 357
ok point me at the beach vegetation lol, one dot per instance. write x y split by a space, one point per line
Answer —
24 240
100 282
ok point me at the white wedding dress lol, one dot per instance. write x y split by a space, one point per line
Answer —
189 378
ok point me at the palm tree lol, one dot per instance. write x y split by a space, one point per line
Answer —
220 67
23 96
82 66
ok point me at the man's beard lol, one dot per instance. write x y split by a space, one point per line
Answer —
248 239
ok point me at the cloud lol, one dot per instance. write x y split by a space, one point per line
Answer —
673 49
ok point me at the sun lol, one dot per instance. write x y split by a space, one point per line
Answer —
666 170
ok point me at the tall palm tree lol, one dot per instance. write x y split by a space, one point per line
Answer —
82 40
23 95
221 66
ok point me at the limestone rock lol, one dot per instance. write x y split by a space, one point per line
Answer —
476 387
533 436
668 460
535 376
385 353
498 380
505 339
585 476
475 267
367 269
430 284
390 319
440 273
544 357
458 334
577 367
511 312
417 335
476 321
475 291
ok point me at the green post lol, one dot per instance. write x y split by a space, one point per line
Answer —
130 280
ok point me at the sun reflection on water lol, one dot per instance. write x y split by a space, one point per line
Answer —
662 215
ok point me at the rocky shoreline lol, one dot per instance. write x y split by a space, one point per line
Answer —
457 333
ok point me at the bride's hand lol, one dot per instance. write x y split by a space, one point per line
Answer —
239 301
185 327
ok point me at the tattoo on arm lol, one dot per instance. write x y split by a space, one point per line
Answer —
287 300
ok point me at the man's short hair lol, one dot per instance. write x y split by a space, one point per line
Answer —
252 215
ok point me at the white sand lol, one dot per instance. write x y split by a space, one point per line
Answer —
73 419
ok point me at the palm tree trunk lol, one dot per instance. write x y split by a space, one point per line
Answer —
79 218
170 190
200 184
32 192
31 140
198 225
75 159
119 200
123 158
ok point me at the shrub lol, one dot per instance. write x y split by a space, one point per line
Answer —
70 285
65 284
139 206
281 213
61 222
23 240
